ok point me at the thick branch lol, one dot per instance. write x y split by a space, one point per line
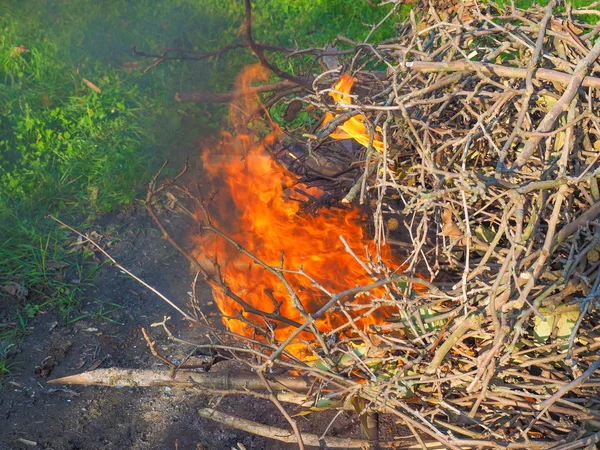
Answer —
500 71
279 434
182 379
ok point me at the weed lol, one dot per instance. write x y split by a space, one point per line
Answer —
105 309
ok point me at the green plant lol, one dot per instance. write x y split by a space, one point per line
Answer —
105 309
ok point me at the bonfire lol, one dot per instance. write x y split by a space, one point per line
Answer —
420 240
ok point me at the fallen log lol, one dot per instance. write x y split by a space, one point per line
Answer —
280 434
182 379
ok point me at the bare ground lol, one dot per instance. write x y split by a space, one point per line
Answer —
77 417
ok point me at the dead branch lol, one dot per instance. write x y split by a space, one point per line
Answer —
507 262
259 52
498 70
183 379
279 434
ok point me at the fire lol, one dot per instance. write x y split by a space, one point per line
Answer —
353 128
254 207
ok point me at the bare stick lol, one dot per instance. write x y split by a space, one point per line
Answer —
278 433
500 71
139 280
183 379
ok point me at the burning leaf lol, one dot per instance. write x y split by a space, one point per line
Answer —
353 128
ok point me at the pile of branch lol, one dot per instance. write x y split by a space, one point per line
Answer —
483 141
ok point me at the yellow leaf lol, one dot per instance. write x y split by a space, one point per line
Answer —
565 324
546 102
487 235
542 328
303 413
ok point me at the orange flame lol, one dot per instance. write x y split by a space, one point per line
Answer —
353 128
254 206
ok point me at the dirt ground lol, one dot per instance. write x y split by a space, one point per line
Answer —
35 414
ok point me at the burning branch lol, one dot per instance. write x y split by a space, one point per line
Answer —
227 97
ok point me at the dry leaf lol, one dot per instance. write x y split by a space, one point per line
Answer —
93 194
487 235
16 290
449 228
546 102
19 50
91 85
96 364
63 391
130 66
56 265
45 100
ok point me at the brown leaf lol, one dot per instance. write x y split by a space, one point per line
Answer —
19 50
45 100
63 392
91 85
573 28
56 265
449 228
96 364
292 111
16 290
130 66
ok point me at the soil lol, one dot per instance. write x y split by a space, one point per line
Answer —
35 414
